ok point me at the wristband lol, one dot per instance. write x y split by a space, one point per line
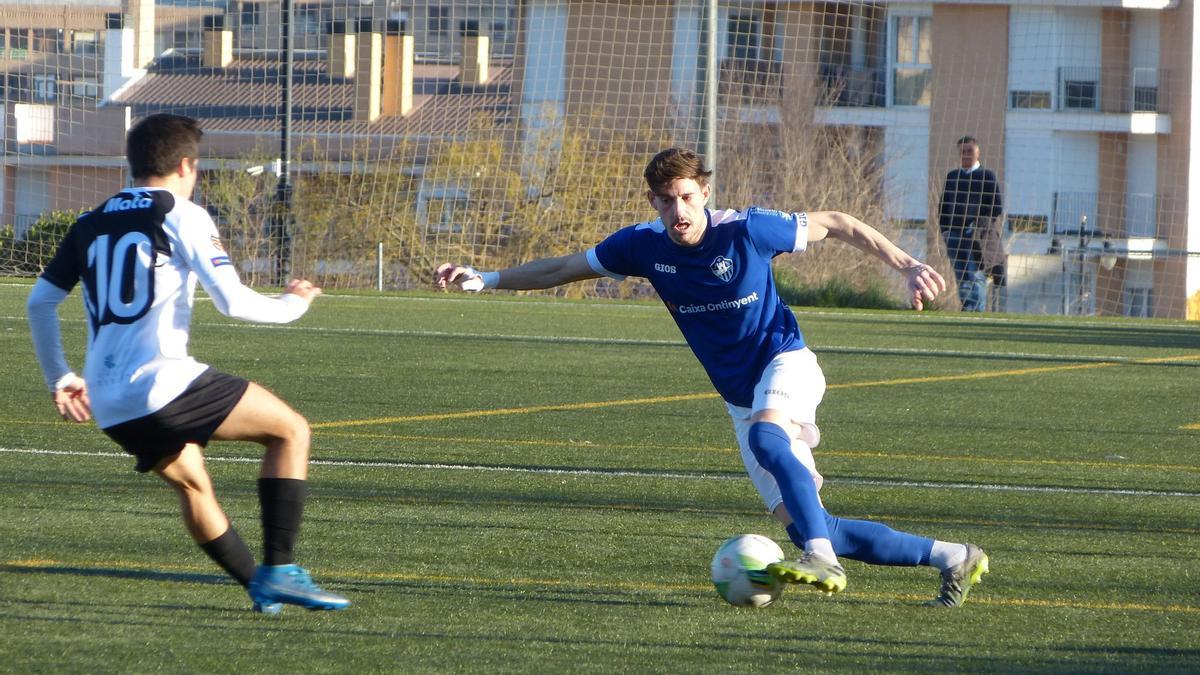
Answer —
478 281
63 381
489 279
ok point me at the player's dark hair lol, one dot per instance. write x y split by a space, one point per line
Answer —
967 139
675 163
155 145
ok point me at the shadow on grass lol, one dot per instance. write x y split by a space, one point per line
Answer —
119 573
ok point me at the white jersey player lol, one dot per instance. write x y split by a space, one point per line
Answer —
712 271
139 256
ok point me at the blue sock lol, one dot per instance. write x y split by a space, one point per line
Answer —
873 543
772 447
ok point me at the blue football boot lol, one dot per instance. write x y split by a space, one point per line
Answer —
289 584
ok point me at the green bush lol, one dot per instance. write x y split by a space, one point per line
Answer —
833 292
28 255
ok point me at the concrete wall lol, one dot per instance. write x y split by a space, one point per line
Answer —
968 98
1173 158
619 69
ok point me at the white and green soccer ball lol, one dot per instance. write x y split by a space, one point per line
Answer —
733 565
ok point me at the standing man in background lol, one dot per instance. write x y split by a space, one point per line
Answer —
969 218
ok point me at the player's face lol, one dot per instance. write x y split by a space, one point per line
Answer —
969 154
681 207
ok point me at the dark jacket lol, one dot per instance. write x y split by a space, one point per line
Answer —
972 201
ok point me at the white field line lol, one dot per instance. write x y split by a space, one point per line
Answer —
619 473
897 317
564 339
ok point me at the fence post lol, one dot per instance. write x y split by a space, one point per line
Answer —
379 267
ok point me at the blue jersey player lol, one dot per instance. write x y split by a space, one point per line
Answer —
712 269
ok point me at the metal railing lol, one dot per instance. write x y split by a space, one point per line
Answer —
1111 90
1115 214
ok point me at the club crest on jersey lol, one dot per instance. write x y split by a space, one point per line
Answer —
722 267
216 242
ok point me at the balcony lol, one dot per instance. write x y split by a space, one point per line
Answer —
1119 215
1099 90
853 86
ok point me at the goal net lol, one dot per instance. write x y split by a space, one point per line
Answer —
361 143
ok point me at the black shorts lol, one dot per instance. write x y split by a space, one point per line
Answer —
191 418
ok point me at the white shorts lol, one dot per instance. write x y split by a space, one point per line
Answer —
791 383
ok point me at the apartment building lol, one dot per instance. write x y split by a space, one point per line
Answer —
361 80
1083 109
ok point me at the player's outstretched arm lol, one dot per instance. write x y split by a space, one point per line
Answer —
922 281
533 275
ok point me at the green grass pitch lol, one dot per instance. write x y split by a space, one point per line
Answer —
527 485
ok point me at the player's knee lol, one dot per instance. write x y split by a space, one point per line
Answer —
770 443
296 434
189 484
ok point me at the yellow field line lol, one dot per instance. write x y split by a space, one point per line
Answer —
512 411
592 405
972 376
978 597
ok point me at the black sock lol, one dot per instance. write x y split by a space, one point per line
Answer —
282 502
231 553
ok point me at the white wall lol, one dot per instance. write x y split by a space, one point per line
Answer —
906 172
543 95
1143 39
1029 170
1032 49
546 44
1076 178
32 191
1079 36
685 63
1143 48
1141 177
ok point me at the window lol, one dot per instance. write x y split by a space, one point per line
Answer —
250 14
745 35
1079 95
47 40
85 87
912 60
308 22
1030 100
439 19
499 30
1145 99
45 87
83 42
1139 302
18 44
468 27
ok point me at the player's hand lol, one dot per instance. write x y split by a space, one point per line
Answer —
72 400
462 277
303 288
924 283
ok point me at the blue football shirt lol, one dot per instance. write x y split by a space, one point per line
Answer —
721 293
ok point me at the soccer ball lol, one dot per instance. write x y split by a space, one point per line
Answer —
735 559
